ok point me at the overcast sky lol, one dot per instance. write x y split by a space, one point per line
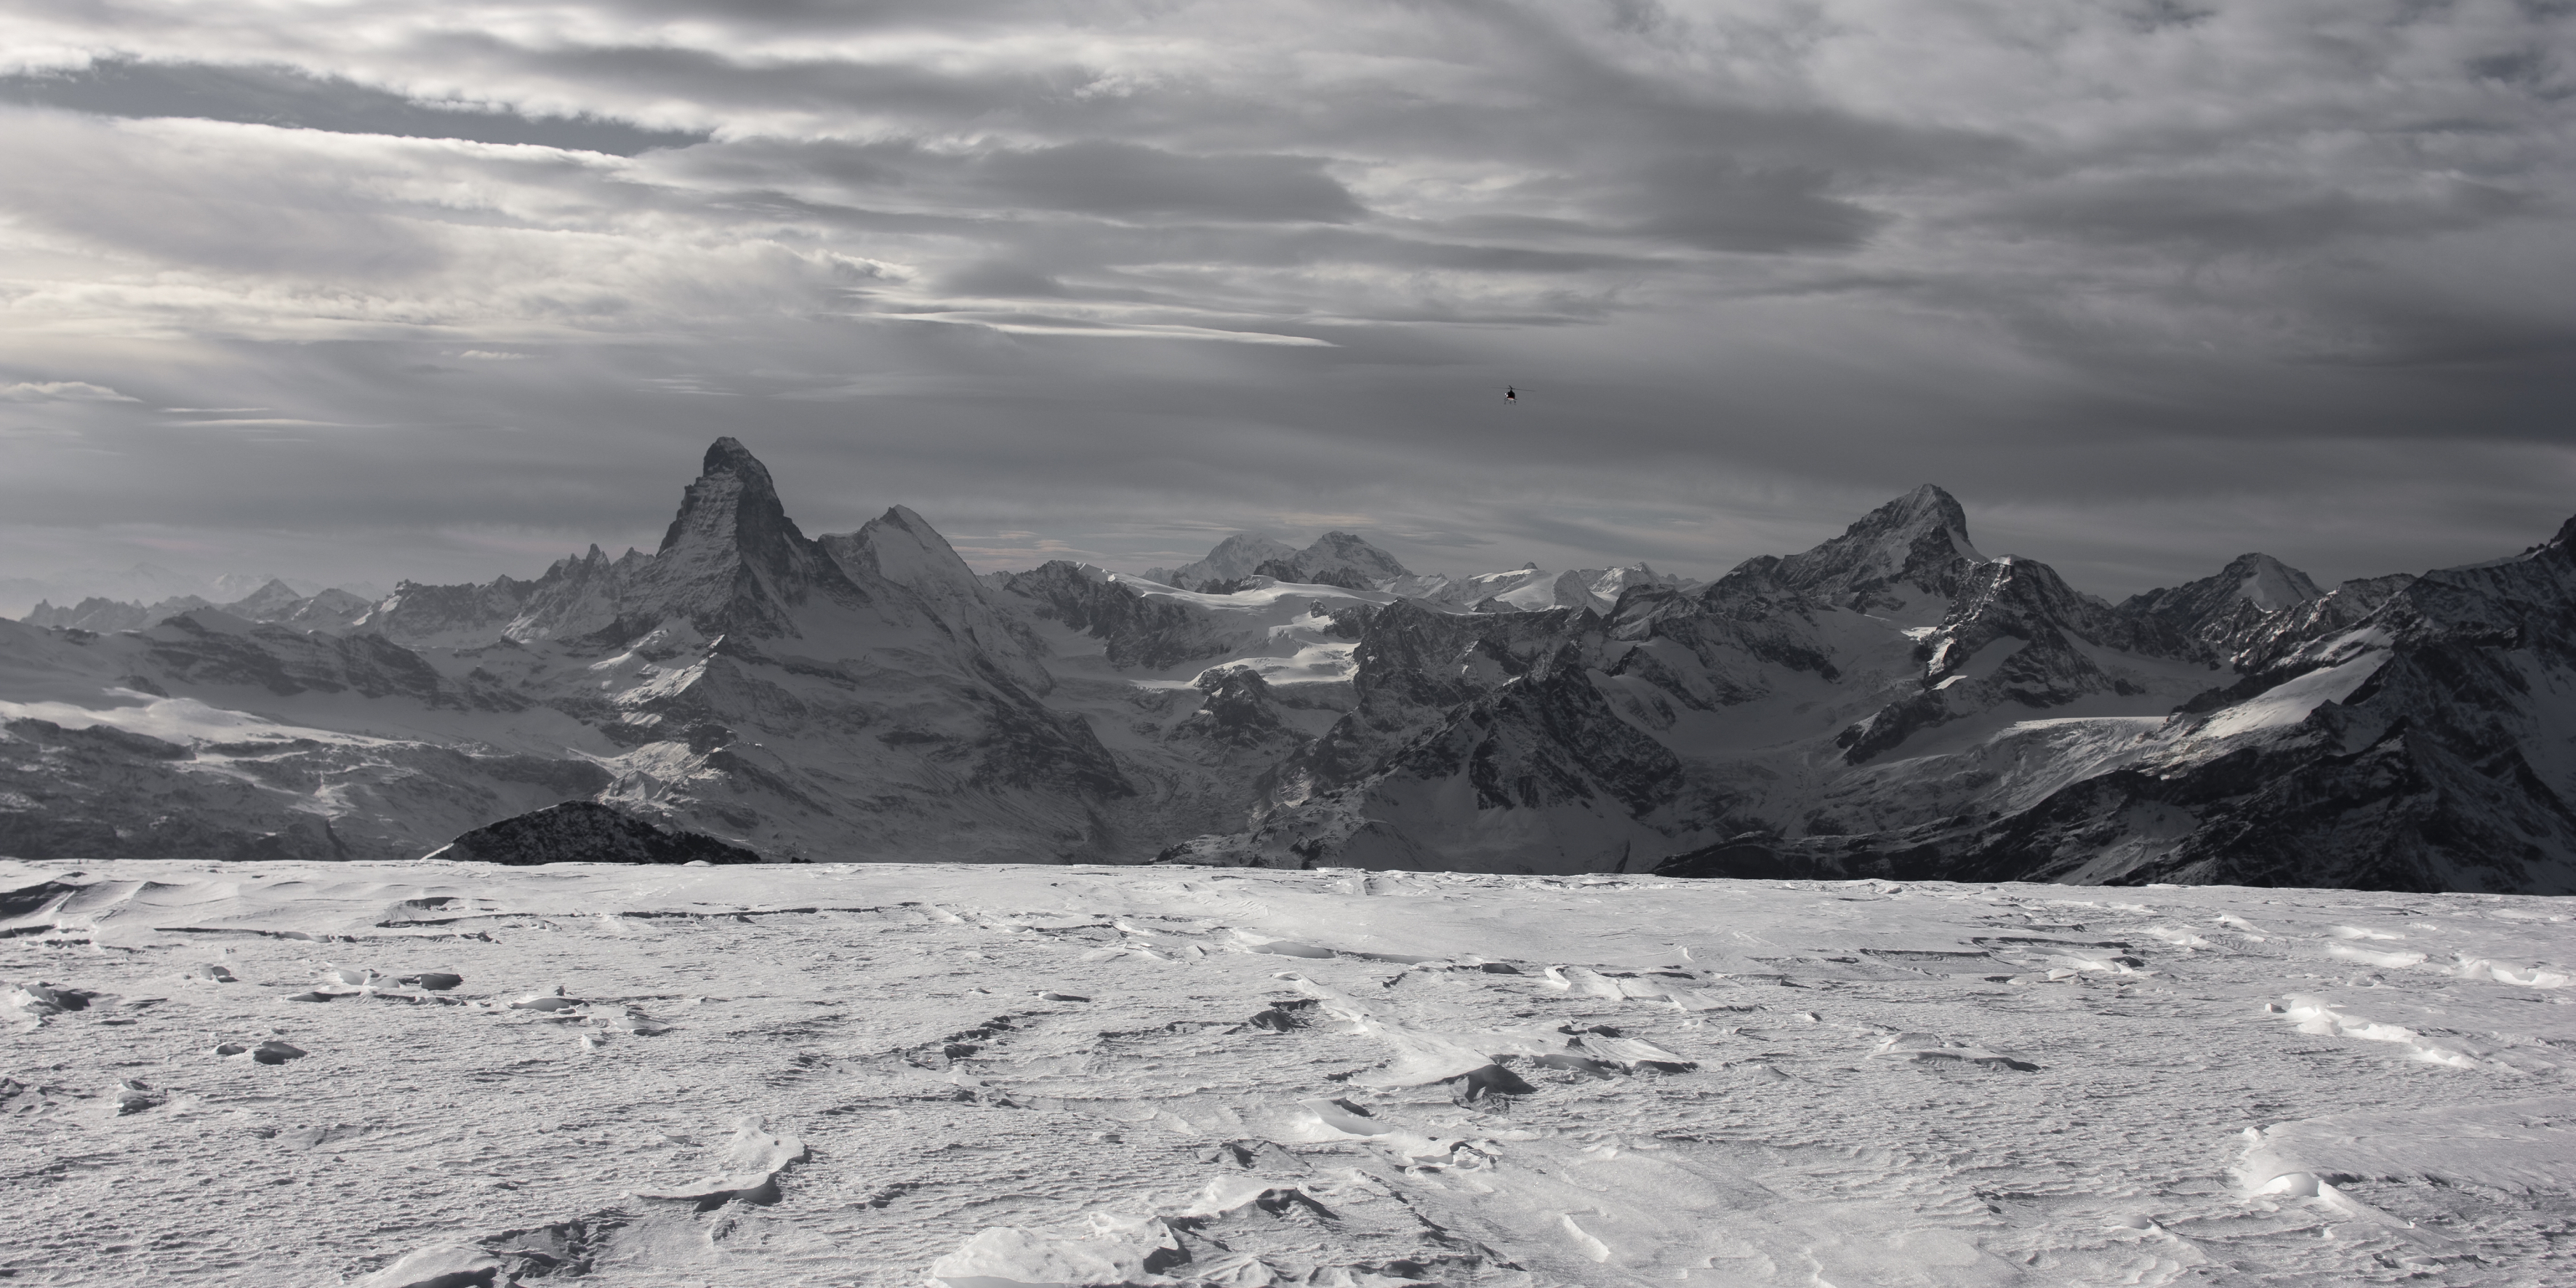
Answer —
373 290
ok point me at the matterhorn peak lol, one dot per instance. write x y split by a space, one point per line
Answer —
733 503
732 559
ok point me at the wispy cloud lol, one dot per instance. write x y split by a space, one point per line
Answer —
61 391
1201 260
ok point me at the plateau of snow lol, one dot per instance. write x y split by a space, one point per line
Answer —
425 1073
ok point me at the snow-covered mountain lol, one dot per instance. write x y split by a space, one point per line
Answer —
1335 559
1891 702
273 601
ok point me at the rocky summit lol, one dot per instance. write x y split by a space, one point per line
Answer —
1892 703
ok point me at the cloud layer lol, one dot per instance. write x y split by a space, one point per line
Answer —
2147 285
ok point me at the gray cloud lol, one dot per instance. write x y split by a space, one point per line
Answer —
1719 204
2146 285
292 98
2257 211
1100 176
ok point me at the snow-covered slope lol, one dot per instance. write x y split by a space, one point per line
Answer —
941 1076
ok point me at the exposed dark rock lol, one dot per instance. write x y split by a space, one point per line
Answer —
2227 611
1240 709
587 832
1149 633
1919 540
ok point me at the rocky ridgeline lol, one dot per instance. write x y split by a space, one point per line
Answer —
1892 702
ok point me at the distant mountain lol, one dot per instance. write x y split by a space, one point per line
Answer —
2227 610
1890 703
141 585
271 601
1529 588
1335 559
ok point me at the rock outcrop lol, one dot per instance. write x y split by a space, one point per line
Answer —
587 832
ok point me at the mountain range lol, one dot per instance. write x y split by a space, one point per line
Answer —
1891 703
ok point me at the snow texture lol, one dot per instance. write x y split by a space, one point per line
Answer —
442 1073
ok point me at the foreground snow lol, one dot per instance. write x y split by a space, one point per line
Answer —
877 1074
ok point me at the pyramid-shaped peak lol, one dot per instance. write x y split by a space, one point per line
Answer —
2269 584
732 559
1919 539
1928 502
272 596
733 503
727 455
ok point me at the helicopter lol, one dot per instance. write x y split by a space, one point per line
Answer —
1511 394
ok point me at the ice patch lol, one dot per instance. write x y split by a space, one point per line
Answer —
2373 957
2526 976
176 720
2318 1017
2291 701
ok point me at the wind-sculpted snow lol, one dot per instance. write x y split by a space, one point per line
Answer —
394 1075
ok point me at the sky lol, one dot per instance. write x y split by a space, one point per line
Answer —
365 291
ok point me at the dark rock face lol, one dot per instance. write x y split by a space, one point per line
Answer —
415 612
587 832
2433 768
1240 710
1345 559
2027 614
1412 666
2276 638
2223 612
1284 570
102 793
1549 739
1919 540
732 561
1151 633
208 647
1720 648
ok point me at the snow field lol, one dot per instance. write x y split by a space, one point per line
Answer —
995 1076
